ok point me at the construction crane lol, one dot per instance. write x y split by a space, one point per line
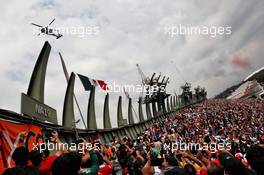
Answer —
144 80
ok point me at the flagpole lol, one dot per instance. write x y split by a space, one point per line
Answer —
79 110
67 79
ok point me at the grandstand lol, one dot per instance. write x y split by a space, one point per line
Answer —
250 87
257 75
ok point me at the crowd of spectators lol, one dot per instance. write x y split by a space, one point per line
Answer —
215 137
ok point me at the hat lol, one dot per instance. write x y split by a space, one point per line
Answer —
239 156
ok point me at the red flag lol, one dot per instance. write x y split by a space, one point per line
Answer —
102 84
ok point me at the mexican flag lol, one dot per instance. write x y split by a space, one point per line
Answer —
88 83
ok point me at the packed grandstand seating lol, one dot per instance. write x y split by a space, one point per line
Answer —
240 90
248 89
215 137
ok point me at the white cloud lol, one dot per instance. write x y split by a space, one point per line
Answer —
130 32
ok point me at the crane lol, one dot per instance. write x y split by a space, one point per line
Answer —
144 80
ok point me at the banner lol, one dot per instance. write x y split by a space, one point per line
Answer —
9 140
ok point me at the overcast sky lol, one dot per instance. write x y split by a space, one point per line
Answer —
128 32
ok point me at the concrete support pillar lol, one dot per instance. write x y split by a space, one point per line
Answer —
130 112
171 102
148 112
91 118
154 109
168 104
68 108
107 122
140 111
119 112
37 81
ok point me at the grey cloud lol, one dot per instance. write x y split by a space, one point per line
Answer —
130 32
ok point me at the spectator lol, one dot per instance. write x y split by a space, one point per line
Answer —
215 169
209 138
42 160
171 165
21 158
67 164
255 157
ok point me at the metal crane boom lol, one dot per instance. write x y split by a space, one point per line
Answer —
145 80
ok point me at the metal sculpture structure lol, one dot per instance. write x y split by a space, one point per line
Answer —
37 81
156 99
91 118
68 118
32 103
107 122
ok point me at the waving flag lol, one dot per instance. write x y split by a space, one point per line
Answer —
88 83
102 84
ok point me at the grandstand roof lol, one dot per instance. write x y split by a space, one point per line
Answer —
257 75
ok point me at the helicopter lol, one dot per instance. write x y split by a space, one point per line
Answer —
47 30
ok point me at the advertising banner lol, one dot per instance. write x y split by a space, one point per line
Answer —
10 139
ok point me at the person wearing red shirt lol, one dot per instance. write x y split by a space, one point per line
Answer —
44 163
